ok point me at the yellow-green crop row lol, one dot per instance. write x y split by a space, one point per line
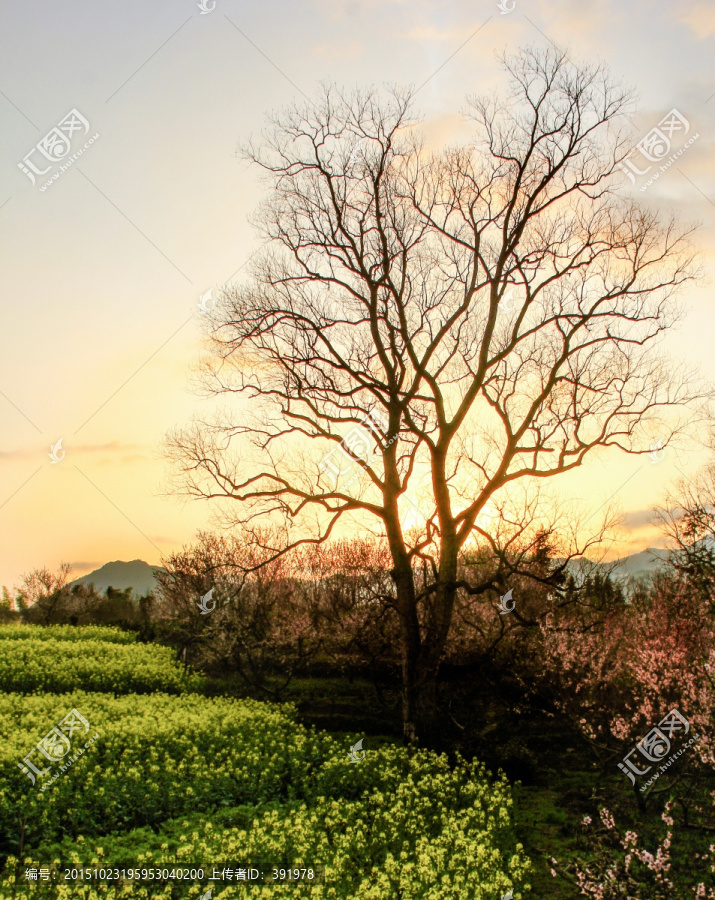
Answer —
398 824
155 757
35 664
67 633
437 833
160 779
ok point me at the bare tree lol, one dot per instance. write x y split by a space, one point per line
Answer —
481 316
689 521
43 592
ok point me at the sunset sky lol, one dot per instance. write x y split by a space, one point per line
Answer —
102 272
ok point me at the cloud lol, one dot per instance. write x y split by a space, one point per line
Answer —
17 454
132 452
160 539
699 17
82 566
648 518
640 518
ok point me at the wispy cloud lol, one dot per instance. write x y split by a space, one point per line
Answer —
83 566
699 17
640 518
131 452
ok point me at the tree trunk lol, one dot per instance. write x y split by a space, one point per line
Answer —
420 709
421 655
410 635
420 671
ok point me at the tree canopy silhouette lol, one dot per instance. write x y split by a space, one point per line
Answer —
472 318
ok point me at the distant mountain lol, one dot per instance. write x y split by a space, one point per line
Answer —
140 576
644 563
636 565
136 574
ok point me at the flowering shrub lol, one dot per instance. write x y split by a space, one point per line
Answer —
67 633
319 606
622 868
618 680
47 664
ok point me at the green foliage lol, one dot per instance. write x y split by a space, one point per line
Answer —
412 842
67 633
423 831
36 664
398 824
156 757
188 777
